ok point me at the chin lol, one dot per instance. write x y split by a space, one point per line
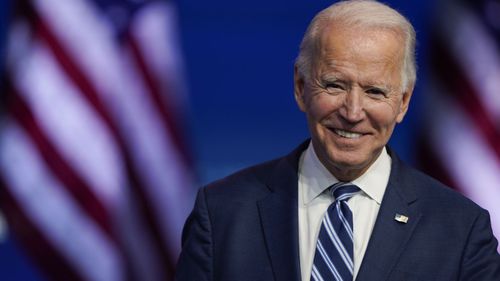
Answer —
348 161
345 158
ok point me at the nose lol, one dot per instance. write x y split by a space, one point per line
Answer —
352 109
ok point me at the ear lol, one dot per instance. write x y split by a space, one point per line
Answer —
404 104
298 89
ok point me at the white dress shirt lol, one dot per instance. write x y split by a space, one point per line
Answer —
313 202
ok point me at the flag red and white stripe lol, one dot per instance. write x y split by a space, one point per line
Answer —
94 175
463 109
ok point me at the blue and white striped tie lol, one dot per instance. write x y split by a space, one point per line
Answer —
333 259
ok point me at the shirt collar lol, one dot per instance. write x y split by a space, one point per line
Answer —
317 178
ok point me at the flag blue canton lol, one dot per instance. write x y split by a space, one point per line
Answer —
121 12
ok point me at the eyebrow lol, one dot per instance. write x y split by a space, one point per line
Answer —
331 77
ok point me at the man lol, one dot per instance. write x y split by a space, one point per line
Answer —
342 206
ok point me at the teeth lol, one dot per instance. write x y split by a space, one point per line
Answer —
346 134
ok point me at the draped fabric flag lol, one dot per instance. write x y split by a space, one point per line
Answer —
94 175
462 131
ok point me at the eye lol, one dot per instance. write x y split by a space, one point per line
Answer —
333 85
376 92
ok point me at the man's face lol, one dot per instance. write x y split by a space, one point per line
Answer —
353 97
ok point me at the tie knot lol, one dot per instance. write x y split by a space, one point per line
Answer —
342 191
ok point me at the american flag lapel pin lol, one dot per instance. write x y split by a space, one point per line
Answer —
401 218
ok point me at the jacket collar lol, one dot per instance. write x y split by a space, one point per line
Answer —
279 218
390 236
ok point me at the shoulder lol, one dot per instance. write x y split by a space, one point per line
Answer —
441 210
256 181
433 194
447 221
251 180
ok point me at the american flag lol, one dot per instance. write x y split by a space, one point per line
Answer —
462 131
95 177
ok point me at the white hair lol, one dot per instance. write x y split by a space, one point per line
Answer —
360 13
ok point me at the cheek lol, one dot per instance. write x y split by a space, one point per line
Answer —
321 106
383 116
386 111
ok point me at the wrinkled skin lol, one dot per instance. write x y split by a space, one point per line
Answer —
353 97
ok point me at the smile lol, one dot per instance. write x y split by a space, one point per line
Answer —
347 134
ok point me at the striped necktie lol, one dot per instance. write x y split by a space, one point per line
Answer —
333 259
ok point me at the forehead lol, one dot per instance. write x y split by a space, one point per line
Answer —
366 45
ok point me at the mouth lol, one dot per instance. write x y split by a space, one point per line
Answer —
347 134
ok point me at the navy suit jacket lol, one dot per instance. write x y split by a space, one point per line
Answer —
245 227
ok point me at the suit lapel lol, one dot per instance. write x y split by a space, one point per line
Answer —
389 236
279 218
280 231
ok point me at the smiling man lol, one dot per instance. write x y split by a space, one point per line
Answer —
342 206
354 94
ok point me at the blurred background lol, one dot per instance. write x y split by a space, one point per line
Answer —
114 112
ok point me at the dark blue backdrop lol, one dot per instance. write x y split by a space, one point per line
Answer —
239 58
